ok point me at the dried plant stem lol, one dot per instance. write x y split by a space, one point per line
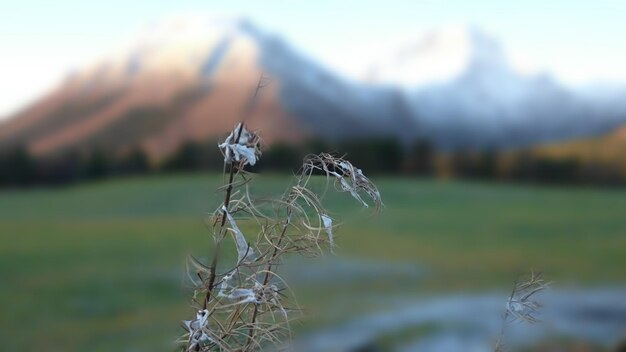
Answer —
216 251
498 347
233 170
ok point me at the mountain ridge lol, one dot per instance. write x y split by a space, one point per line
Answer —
187 79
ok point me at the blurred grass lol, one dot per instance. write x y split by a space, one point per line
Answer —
99 266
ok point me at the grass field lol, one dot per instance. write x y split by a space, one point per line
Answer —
99 267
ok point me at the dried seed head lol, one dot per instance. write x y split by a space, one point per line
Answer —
348 177
522 304
244 251
198 330
237 294
328 226
241 145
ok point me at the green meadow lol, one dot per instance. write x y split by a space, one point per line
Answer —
100 266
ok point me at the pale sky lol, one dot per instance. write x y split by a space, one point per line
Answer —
577 41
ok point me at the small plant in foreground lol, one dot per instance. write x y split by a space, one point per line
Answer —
522 305
249 306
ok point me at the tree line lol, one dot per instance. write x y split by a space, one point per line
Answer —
375 156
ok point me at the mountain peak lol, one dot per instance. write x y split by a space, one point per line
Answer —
192 26
440 55
180 45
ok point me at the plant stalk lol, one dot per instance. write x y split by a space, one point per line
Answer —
233 170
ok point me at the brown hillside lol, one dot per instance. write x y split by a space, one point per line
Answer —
158 109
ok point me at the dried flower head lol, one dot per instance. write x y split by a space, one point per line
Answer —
522 304
197 330
327 221
244 251
348 177
241 145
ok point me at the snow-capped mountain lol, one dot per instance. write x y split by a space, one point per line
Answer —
454 86
438 56
187 79
464 91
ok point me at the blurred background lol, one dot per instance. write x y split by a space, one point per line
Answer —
495 131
